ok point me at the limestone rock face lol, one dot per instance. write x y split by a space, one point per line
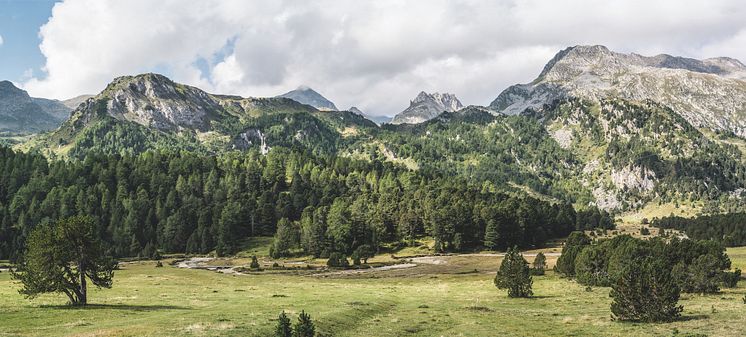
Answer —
426 107
156 101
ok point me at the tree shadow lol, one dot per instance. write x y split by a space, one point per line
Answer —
129 307
692 318
539 297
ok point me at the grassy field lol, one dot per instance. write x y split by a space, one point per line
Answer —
446 298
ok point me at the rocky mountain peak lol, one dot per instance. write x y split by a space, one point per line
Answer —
355 110
306 95
157 101
8 89
426 106
708 93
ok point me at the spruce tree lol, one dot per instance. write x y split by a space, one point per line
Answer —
283 328
304 327
514 275
491 235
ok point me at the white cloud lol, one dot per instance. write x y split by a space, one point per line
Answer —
1 40
376 55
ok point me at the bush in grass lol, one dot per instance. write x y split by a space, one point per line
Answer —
337 260
514 275
539 265
364 252
591 266
254 263
703 275
730 280
645 291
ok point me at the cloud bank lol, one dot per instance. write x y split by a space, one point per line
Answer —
376 55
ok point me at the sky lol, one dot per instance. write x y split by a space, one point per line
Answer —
376 55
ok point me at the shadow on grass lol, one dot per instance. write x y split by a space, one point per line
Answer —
691 318
116 307
539 297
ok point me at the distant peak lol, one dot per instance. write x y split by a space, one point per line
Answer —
8 88
427 106
305 95
355 110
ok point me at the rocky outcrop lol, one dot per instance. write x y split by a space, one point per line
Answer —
156 101
426 107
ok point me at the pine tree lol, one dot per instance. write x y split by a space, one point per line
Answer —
574 244
645 292
491 235
61 257
304 327
283 328
539 265
514 275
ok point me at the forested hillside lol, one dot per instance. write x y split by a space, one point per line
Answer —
188 202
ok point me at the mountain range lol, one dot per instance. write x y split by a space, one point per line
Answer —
21 113
620 131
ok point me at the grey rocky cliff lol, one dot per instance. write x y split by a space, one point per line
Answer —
426 107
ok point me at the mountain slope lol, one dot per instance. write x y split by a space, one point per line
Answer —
308 96
20 113
73 103
149 111
427 106
708 93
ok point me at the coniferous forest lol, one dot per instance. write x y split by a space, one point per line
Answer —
191 203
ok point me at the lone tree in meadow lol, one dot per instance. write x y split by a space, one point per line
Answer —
645 291
61 257
540 264
514 275
304 327
283 328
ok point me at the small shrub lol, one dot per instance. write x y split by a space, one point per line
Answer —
254 262
730 280
159 264
337 260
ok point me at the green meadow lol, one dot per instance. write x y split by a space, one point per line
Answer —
454 297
